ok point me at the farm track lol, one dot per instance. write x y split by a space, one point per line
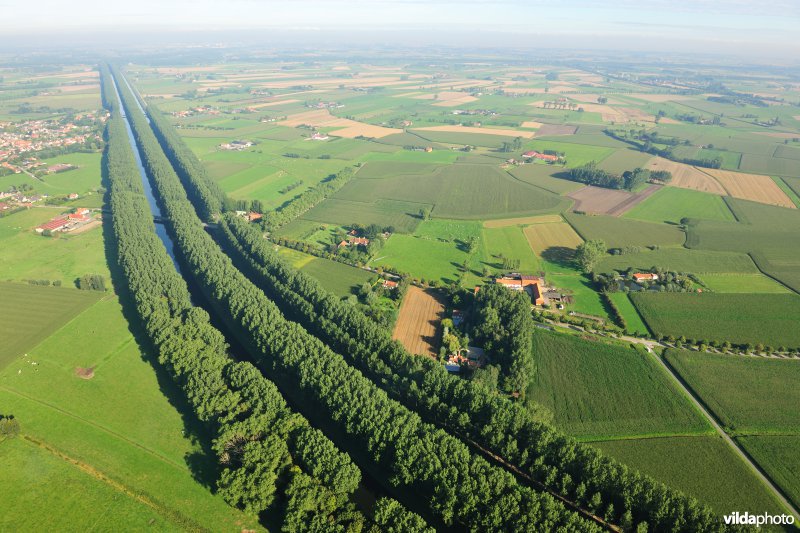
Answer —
727 438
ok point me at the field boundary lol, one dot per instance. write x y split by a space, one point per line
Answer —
700 404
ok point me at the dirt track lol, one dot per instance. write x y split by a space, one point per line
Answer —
418 321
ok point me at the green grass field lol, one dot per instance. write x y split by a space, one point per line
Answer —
769 319
544 176
620 232
671 204
597 390
630 314
122 423
81 502
742 391
586 299
709 470
743 283
779 457
338 278
422 258
403 216
680 260
27 255
29 314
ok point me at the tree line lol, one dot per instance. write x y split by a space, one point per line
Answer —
419 460
591 174
508 429
270 458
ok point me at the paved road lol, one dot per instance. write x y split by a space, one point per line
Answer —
786 503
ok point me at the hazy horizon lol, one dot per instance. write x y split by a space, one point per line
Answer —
731 27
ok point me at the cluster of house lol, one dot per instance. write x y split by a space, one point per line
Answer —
473 358
251 216
534 286
317 136
533 154
236 145
200 110
14 199
65 223
324 105
33 135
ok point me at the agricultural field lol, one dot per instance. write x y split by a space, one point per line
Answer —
337 278
743 283
634 322
768 319
550 237
619 232
686 176
753 187
417 323
601 391
777 455
25 254
741 390
709 470
29 314
680 260
670 205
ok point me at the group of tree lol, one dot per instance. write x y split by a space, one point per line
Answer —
650 143
270 458
591 174
588 253
416 458
519 434
91 282
502 324
306 200
512 146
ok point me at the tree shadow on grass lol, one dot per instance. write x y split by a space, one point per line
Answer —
201 462
560 255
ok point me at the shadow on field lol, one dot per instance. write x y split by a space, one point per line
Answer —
559 255
202 462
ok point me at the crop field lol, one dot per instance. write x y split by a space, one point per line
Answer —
737 318
599 201
753 187
452 191
709 470
620 232
597 390
522 221
403 216
778 456
508 242
480 131
449 230
29 314
416 326
551 236
743 283
624 159
741 390
543 176
764 164
680 260
686 176
670 205
634 322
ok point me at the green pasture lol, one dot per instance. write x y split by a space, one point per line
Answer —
671 204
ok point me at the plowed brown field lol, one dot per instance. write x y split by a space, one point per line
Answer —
418 321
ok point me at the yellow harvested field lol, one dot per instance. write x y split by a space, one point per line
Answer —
418 320
456 101
522 221
350 128
359 129
532 124
278 102
542 237
76 88
754 187
485 131
687 176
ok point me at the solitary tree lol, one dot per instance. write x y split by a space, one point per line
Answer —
587 254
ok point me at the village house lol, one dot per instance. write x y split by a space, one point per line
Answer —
519 282
533 154
645 276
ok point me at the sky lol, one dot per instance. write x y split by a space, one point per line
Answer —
736 26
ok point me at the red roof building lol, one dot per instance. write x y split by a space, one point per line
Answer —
391 285
645 276
542 157
56 224
518 282
252 216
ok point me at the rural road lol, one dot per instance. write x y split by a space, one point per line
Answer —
764 479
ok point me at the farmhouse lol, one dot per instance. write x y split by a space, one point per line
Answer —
645 276
389 285
252 216
542 157
317 136
354 241
519 282
72 196
56 224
